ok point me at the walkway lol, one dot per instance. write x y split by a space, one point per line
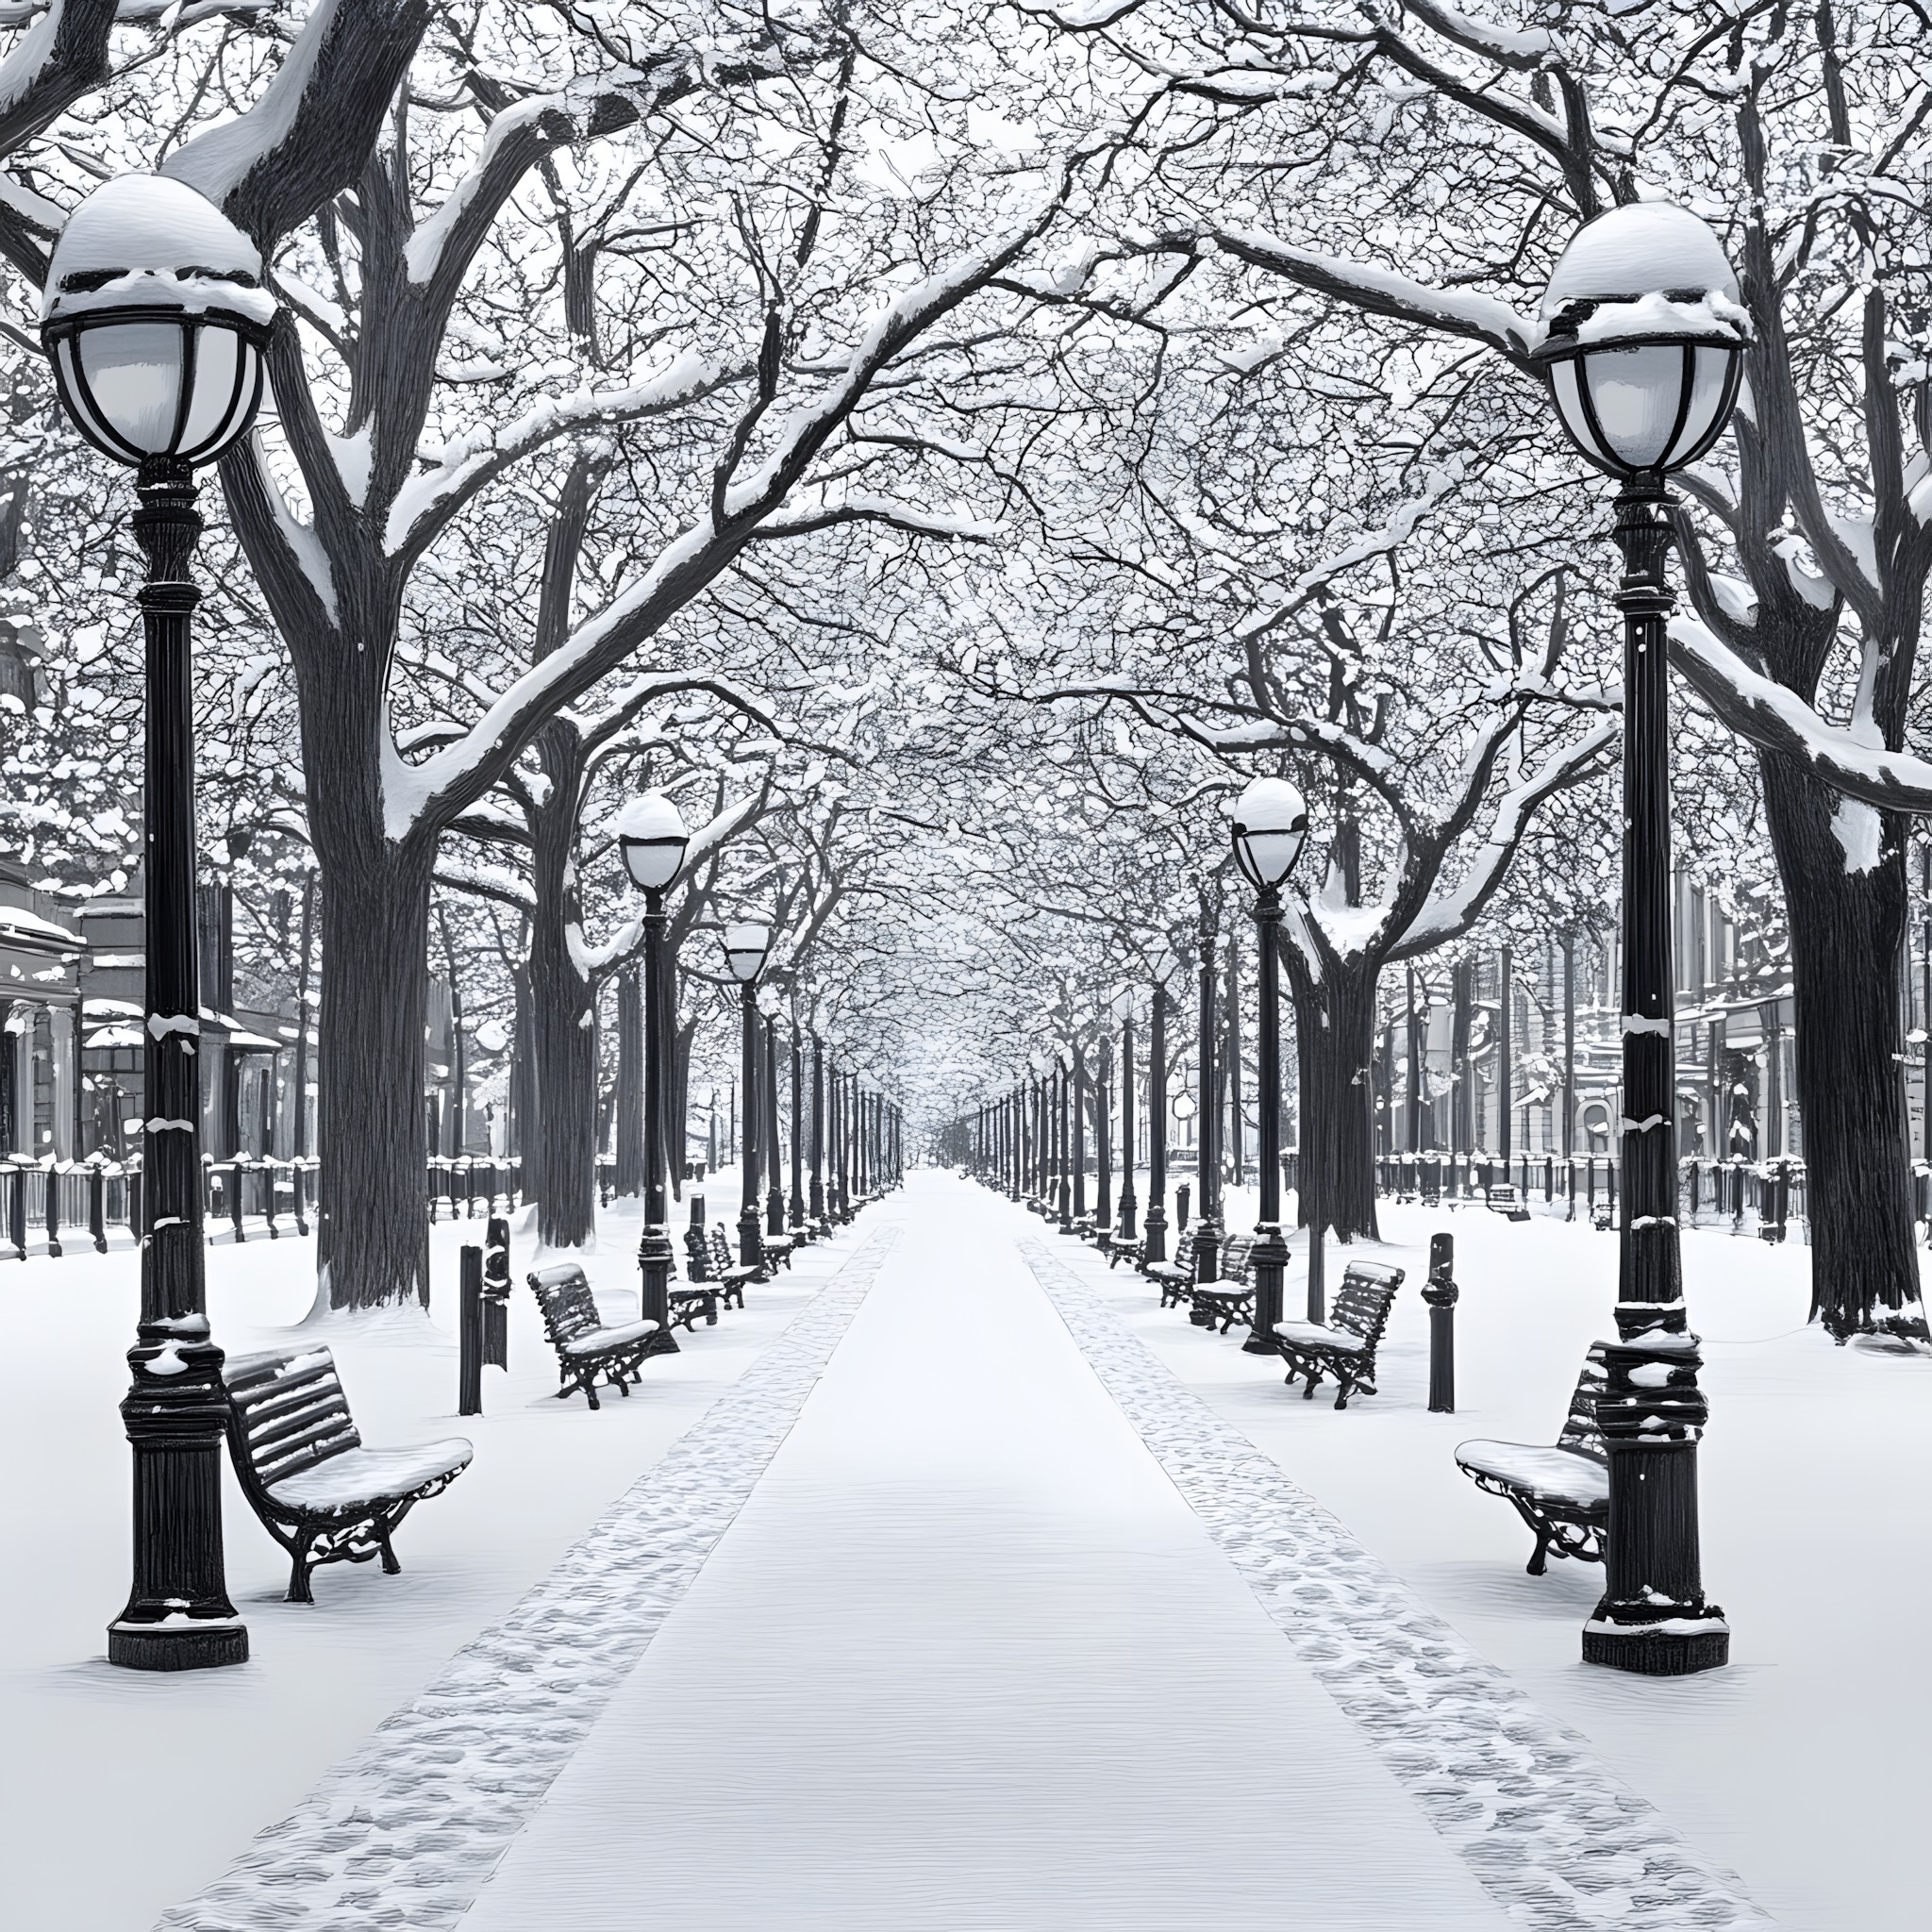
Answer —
968 1656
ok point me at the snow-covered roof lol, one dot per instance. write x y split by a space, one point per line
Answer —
18 919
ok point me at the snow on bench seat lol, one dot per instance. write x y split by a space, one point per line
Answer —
596 1340
354 1481
1313 1334
1541 1470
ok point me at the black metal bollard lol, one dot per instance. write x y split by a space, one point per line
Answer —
470 1335
237 1167
97 1207
495 1278
1180 1208
1441 1294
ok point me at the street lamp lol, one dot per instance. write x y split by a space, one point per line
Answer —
1124 1012
1161 964
1643 348
652 838
769 1004
747 942
1270 827
155 320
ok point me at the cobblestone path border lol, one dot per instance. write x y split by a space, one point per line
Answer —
1550 1832
403 1835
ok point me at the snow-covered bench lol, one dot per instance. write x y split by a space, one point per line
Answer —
1231 1298
1344 1347
1502 1198
586 1346
731 1274
1561 1489
318 1491
1174 1277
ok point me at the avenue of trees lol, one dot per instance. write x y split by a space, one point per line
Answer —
950 450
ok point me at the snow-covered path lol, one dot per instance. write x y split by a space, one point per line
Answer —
959 1608
967 1659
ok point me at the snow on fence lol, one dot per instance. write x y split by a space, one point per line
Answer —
48 1207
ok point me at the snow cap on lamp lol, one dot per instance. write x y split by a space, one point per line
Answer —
154 317
1271 825
1643 326
652 837
747 942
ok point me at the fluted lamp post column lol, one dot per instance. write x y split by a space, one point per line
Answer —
747 942
1162 962
1271 826
652 838
1642 347
155 320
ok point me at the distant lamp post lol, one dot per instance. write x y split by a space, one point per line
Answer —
747 942
1163 966
1643 350
155 320
1124 1012
1271 826
652 840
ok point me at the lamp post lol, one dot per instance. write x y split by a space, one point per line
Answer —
1271 826
652 840
747 942
774 1198
155 320
1124 1012
1208 1214
797 1201
1161 961
1644 335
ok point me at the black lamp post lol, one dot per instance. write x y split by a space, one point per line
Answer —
1271 825
155 320
797 1202
1643 352
1208 1221
1124 1008
818 1134
1162 961
775 1197
746 942
652 840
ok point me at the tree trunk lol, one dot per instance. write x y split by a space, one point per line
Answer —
562 1006
1335 1050
1847 929
1462 1073
372 1229
630 1085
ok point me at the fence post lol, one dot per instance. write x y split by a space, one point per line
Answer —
470 1344
97 1206
1441 1294
53 1211
238 1173
268 1175
495 1278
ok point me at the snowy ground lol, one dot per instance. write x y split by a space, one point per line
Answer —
1802 1768
86 1842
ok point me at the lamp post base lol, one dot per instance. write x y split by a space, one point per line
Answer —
193 1645
1675 1647
751 1240
1267 1262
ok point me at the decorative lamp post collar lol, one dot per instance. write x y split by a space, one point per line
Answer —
1643 330
652 840
1271 825
747 942
155 319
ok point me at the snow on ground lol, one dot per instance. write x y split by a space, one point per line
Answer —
85 1846
1803 1766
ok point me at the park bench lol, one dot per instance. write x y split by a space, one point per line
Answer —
586 1346
1177 1277
1502 1198
301 1463
731 1274
1231 1298
1561 1489
1344 1347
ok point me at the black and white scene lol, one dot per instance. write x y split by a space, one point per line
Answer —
965 967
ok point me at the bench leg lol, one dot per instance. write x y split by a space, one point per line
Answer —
589 1384
389 1565
299 1589
1538 1561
